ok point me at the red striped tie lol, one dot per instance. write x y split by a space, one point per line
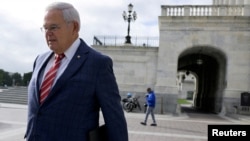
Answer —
49 78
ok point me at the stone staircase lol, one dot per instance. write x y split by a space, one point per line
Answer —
14 95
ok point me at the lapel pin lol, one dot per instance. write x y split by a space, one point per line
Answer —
78 56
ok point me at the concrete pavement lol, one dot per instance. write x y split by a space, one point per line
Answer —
184 127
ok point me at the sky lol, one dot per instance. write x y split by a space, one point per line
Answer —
20 20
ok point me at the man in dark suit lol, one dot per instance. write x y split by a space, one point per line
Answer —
84 84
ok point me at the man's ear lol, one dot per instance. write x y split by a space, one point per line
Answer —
76 27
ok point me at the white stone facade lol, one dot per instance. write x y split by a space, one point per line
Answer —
218 32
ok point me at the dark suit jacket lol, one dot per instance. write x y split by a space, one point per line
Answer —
72 108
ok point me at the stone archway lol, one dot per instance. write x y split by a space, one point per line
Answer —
209 66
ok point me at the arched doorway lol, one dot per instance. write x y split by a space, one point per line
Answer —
208 66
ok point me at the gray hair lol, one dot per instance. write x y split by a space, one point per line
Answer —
69 12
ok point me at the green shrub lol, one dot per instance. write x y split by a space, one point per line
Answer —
183 101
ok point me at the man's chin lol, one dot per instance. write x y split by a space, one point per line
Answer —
53 48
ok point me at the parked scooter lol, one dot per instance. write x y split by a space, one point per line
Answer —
130 103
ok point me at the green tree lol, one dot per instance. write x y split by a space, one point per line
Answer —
1 77
14 79
6 79
26 78
17 79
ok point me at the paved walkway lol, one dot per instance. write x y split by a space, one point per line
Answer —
185 127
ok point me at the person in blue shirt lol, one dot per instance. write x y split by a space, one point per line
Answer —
150 99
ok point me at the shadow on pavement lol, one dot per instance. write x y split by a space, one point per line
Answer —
198 114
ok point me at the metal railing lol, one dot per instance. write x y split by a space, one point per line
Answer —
120 41
203 10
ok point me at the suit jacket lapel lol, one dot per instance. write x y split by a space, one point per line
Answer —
76 62
43 60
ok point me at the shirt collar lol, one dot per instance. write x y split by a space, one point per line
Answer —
69 53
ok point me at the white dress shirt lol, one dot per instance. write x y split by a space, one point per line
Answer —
69 53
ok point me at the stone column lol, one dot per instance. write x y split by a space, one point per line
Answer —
222 11
214 2
247 10
225 2
240 2
247 2
221 2
233 2
187 10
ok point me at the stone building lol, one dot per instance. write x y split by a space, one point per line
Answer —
209 42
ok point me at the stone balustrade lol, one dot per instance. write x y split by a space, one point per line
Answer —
205 10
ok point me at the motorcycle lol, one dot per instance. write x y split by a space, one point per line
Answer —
130 103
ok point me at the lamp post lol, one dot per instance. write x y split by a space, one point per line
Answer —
131 16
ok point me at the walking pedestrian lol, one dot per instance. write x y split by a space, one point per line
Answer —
150 99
